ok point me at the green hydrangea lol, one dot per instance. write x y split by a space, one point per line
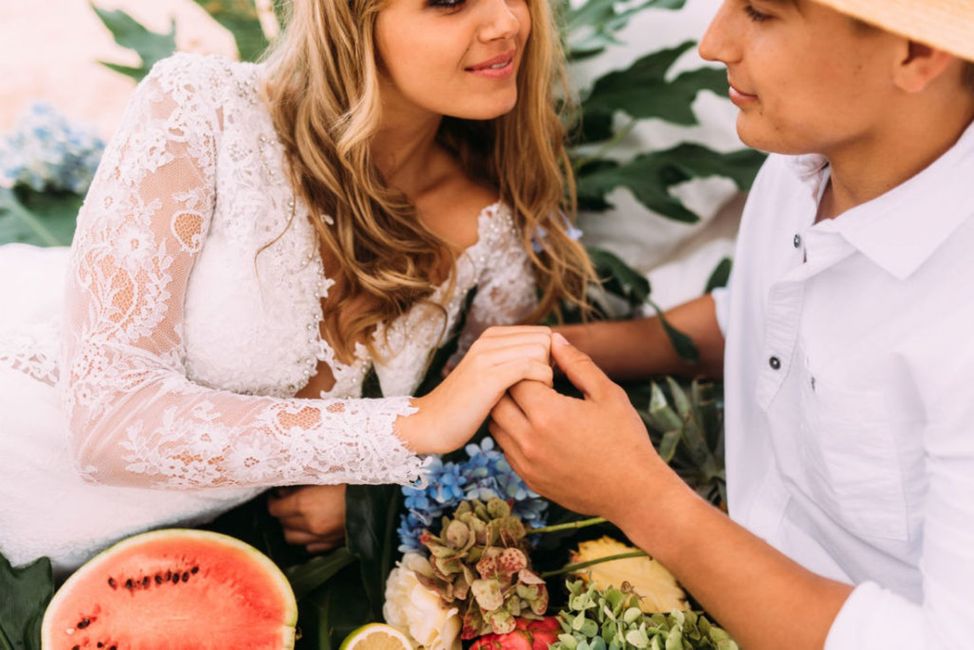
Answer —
612 620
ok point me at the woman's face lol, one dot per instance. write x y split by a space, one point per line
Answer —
452 57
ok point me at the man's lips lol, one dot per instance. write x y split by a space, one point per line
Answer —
497 63
735 90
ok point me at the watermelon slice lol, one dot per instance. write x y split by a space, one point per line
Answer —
173 589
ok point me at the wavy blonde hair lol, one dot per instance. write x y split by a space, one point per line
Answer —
323 93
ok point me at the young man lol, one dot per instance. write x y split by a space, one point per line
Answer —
849 360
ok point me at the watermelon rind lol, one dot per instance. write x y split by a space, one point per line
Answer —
277 578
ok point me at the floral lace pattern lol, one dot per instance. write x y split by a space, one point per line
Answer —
193 308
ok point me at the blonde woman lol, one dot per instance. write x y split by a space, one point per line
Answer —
259 236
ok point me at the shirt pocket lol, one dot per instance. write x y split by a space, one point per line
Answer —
850 458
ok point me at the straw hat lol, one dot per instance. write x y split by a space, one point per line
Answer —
944 24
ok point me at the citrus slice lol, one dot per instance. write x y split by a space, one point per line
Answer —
376 636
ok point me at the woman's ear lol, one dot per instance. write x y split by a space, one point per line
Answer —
920 65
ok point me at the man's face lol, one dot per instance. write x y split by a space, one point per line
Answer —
806 78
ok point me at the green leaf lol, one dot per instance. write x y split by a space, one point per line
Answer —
593 25
311 575
25 594
240 18
650 176
642 90
371 518
619 278
720 275
39 218
133 35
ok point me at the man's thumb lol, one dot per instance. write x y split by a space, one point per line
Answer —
577 366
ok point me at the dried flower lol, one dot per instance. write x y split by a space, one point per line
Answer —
527 635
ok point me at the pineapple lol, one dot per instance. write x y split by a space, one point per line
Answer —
657 589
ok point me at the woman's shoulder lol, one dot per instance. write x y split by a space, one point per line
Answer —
216 78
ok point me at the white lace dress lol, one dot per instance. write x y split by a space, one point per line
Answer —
147 378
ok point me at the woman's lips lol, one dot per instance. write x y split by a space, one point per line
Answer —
495 68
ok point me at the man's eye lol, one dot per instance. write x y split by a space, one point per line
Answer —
755 15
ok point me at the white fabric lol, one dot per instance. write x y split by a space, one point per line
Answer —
191 320
856 455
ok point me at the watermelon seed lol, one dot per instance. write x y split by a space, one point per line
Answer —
168 575
158 579
83 623
112 583
113 647
128 583
186 576
145 581
77 647
195 570
101 645
175 578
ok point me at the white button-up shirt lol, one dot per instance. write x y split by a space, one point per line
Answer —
850 394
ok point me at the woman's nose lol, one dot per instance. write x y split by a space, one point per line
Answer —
500 21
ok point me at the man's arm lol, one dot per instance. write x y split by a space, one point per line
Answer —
635 349
765 600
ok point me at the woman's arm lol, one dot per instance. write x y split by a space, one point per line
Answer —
135 417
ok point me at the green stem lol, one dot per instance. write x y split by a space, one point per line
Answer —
9 202
571 525
609 145
571 568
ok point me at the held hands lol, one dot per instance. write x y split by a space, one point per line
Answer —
451 414
313 516
581 453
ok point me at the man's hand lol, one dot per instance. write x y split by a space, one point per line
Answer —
313 516
575 451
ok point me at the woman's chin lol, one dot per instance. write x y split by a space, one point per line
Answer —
488 108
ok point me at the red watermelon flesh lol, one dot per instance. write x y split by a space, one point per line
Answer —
173 589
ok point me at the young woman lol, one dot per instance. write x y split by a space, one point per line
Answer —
259 236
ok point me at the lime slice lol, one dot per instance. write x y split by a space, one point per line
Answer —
376 636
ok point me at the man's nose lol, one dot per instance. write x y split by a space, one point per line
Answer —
717 43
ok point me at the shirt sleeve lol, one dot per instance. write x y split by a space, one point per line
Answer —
134 417
721 297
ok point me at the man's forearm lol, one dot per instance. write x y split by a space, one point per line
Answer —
640 348
764 599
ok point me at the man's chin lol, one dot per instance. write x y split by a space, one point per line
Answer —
758 134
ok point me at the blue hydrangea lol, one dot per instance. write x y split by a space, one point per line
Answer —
45 152
484 475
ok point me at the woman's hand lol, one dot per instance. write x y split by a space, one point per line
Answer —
451 414
312 516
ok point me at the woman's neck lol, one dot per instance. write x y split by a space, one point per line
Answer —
405 146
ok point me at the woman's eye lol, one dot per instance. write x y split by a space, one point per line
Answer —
446 4
754 14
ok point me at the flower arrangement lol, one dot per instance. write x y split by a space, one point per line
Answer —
468 577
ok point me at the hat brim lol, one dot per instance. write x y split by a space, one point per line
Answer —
946 25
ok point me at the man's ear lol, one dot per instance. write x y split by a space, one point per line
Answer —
921 65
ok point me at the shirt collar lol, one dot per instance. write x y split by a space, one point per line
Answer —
901 229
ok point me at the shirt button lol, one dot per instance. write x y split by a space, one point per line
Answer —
798 241
775 363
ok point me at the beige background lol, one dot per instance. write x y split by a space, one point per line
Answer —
49 49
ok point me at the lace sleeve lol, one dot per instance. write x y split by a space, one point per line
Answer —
134 416
506 291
